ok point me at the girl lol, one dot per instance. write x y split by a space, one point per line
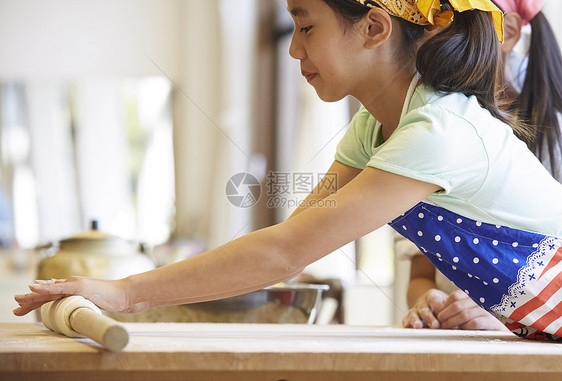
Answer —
430 153
535 91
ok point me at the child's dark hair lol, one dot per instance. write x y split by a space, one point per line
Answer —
462 58
540 101
350 12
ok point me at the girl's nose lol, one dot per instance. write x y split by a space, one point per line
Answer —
296 50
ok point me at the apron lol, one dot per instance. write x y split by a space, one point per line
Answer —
516 275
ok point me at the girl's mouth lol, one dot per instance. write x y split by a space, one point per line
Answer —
308 76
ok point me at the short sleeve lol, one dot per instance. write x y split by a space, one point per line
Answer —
434 145
351 148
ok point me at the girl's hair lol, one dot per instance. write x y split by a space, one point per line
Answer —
540 101
462 58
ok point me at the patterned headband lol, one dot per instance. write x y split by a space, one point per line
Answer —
428 12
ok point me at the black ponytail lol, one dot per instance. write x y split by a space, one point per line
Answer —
540 101
465 58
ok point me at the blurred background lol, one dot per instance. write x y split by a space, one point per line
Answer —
136 113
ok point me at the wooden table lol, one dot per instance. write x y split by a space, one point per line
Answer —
174 351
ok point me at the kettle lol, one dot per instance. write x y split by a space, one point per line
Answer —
93 254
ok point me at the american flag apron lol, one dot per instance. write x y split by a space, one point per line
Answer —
514 274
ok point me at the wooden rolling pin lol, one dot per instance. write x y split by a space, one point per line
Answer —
75 316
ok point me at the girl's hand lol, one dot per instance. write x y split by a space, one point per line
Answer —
425 310
106 294
461 312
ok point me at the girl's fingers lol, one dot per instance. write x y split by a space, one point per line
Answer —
427 315
23 310
40 288
43 281
464 316
425 310
29 302
412 320
485 322
406 321
455 308
61 287
436 305
106 294
474 318
435 299
49 281
457 296
36 298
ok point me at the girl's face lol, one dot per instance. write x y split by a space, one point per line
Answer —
327 53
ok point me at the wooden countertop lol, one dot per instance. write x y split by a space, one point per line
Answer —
162 351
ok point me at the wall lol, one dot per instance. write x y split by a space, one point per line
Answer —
77 38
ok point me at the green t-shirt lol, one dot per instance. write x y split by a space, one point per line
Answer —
486 173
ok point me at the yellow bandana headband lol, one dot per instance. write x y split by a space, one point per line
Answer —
428 12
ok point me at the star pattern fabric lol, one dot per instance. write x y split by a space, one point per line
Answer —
514 274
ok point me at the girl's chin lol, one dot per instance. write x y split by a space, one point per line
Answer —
329 97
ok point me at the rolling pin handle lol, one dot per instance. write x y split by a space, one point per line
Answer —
99 328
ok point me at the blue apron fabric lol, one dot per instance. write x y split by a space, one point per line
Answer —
514 274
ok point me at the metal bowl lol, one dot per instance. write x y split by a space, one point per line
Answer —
283 303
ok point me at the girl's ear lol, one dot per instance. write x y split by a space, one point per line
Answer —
512 24
376 27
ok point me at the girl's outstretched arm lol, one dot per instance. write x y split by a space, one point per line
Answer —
259 259
337 177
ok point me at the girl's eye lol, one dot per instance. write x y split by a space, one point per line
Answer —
306 29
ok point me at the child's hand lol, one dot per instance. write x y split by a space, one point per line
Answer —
460 311
426 309
106 294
